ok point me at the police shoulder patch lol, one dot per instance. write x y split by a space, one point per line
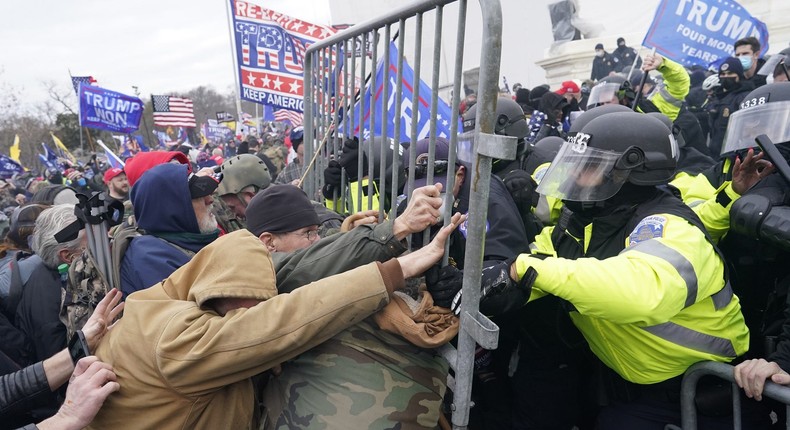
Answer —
649 228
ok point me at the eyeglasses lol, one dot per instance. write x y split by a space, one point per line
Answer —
310 235
421 168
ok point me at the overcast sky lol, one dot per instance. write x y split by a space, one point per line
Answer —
159 46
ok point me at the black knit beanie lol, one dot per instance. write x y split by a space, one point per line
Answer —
280 209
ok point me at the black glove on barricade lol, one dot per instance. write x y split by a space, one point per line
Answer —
332 177
443 284
349 157
495 280
522 188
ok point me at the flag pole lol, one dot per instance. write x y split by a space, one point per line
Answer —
233 52
79 114
110 152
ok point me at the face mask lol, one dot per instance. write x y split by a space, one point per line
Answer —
746 61
728 83
599 53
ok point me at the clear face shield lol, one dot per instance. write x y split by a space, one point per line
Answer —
604 94
771 119
583 174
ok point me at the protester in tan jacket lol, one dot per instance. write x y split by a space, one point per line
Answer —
185 349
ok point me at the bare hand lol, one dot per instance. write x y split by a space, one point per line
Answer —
101 320
364 217
90 384
417 262
652 62
20 199
751 375
748 172
421 212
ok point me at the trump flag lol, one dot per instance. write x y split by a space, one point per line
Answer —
702 32
270 48
444 115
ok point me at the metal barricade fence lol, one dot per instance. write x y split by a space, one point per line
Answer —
339 69
688 391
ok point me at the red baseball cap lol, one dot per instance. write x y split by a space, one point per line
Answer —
111 173
568 87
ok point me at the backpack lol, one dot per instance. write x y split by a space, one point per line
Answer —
87 286
14 274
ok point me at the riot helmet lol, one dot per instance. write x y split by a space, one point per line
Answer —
540 153
765 110
609 151
611 90
510 119
242 171
590 115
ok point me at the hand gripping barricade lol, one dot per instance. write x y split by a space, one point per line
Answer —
338 71
91 275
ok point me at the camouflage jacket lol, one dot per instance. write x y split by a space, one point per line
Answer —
86 287
361 378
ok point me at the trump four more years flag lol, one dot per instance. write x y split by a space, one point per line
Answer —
108 110
270 49
702 32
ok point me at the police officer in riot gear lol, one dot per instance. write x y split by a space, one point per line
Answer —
625 237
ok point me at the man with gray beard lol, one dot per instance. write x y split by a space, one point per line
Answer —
173 212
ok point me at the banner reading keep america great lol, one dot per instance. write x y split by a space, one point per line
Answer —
270 48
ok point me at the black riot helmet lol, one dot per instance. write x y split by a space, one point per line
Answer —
611 90
510 119
590 115
765 110
542 152
609 151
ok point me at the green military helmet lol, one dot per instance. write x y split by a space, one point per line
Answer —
242 171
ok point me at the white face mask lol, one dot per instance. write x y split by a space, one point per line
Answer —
599 53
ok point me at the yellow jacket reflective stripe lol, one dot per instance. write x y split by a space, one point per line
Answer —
648 312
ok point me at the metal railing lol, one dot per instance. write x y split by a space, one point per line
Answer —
339 69
688 391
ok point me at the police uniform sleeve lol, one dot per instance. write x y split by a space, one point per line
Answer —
667 265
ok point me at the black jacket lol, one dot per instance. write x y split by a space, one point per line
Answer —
719 111
38 314
19 389
602 66
625 56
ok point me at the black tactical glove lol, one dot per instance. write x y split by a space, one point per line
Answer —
495 279
349 157
443 284
522 188
332 177
332 173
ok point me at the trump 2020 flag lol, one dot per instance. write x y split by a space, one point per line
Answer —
444 114
702 32
9 167
109 110
270 48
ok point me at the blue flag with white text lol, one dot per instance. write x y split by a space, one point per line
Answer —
109 110
444 114
702 32
9 167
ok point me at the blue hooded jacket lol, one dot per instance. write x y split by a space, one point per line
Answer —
162 206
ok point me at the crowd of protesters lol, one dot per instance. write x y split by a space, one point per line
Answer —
610 265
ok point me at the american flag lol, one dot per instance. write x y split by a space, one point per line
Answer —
175 111
77 80
285 115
